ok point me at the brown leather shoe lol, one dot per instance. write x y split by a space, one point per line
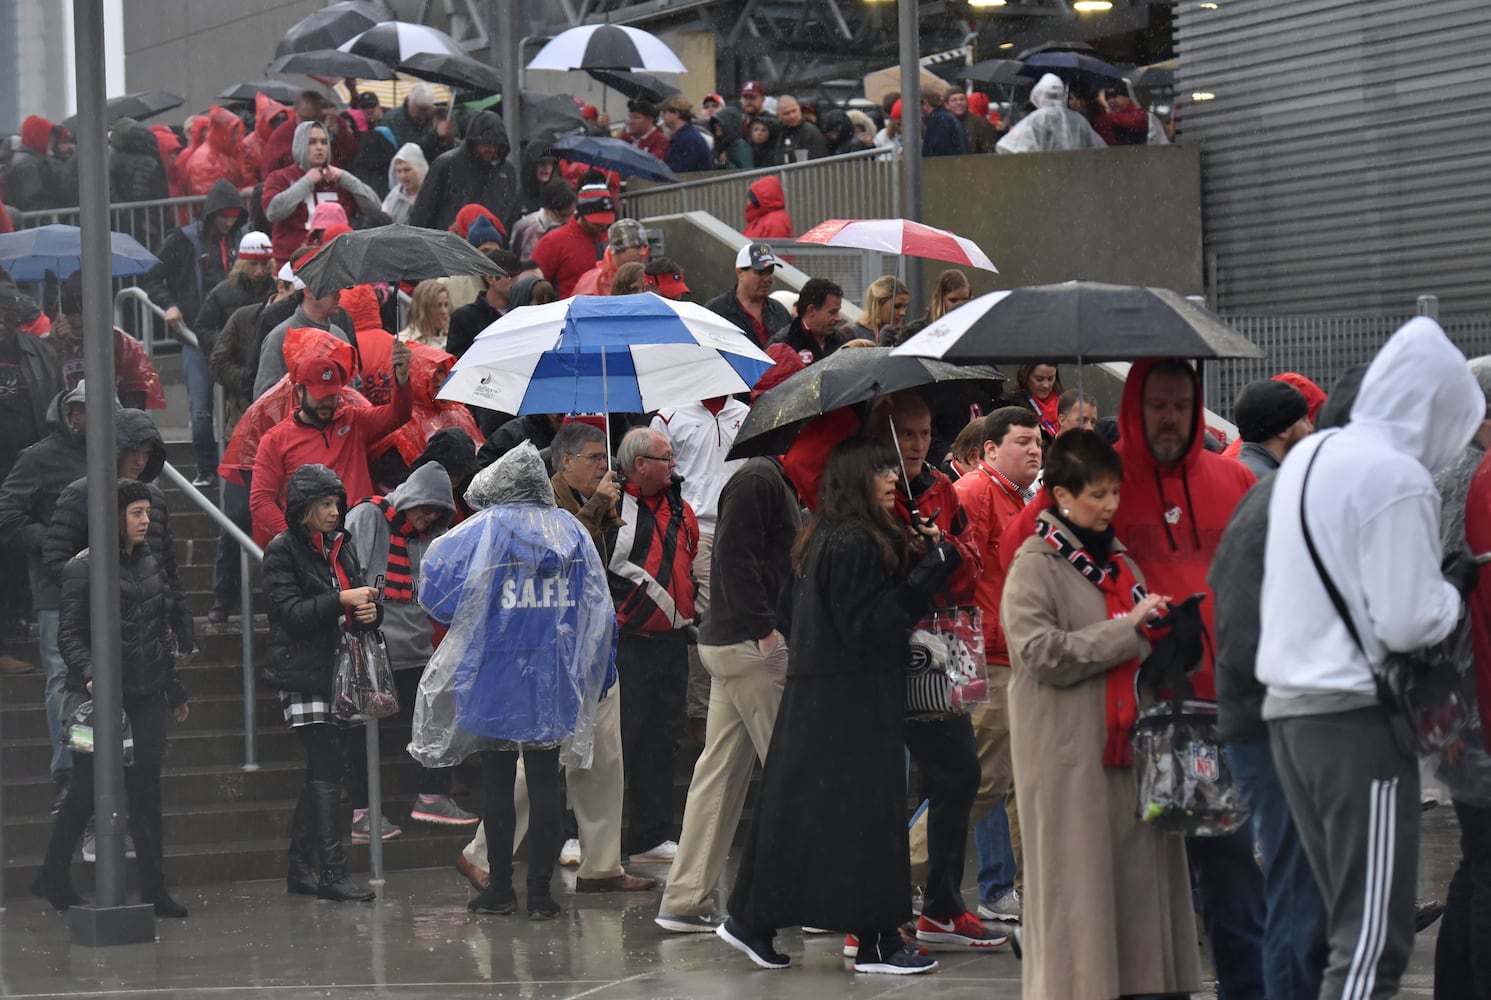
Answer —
480 880
15 665
616 883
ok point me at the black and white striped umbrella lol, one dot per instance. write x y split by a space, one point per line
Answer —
607 46
396 42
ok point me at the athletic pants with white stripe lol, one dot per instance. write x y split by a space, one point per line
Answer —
1355 800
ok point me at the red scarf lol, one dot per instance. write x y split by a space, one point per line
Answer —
333 556
1121 591
398 582
1048 411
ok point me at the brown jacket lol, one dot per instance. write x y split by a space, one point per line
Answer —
1107 903
595 515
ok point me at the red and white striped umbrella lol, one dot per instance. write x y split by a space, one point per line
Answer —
899 236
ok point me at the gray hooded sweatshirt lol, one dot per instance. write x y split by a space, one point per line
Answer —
406 627
284 204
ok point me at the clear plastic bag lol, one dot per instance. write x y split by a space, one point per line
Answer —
1181 771
363 686
946 674
77 734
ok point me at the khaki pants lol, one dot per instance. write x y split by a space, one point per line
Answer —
698 696
743 701
991 730
595 794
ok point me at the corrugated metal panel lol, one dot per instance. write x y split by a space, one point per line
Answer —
1347 151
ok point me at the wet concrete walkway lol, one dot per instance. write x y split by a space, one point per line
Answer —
253 941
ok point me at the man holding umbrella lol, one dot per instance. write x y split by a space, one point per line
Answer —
475 172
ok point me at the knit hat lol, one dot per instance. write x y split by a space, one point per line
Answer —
596 204
255 246
482 231
132 491
1265 408
626 234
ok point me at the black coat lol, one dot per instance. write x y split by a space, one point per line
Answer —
828 847
191 264
234 360
305 610
135 169
67 534
773 314
461 177
43 375
148 609
29 184
30 492
225 298
797 338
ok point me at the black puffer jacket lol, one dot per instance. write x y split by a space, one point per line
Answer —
226 298
67 535
29 494
461 177
135 171
305 610
146 602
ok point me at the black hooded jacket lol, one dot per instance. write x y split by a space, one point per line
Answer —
30 492
533 152
190 265
29 182
461 177
149 610
135 170
305 609
226 298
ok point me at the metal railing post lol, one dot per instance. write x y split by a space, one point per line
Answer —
246 629
1428 305
375 803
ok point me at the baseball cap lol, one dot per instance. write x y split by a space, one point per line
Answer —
589 112
255 246
596 204
895 111
668 284
712 99
756 256
626 234
321 377
753 87
367 100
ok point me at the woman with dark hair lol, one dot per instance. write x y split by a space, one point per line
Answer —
631 279
1038 387
1074 614
310 576
731 150
836 763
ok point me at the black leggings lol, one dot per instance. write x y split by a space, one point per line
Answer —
500 773
323 752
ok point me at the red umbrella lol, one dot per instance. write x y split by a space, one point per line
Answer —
899 236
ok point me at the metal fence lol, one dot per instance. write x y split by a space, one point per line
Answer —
147 221
863 185
1321 348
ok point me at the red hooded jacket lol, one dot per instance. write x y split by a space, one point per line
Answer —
1171 517
990 508
219 156
267 112
1478 537
766 211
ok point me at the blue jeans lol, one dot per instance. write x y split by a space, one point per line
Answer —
1462 961
226 582
1295 948
996 859
56 673
199 393
1230 898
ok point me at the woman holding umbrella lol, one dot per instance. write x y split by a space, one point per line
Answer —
836 763
885 311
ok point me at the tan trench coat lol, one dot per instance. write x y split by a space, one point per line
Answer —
1107 904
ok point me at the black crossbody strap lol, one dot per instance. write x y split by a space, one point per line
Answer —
1325 578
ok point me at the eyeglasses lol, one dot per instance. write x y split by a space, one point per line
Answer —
598 458
887 470
659 458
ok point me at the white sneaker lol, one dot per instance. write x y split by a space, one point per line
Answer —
90 848
666 851
1006 908
569 854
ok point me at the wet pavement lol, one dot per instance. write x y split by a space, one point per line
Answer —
251 940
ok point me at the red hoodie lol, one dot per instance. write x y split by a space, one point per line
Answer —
267 112
1171 517
218 156
36 134
766 211
1478 537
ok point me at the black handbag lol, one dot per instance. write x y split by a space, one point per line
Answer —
1421 690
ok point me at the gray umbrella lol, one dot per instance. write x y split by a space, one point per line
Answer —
332 25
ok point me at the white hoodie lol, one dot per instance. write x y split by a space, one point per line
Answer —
701 440
1374 518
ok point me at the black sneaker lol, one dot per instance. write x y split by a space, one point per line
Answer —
499 901
908 961
757 949
543 907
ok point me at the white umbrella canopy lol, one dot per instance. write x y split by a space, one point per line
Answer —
607 46
395 42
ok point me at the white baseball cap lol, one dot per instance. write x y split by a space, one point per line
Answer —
286 274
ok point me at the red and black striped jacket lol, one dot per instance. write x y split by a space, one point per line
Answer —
652 562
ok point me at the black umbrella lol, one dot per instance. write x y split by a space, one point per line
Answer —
453 71
139 106
392 253
638 86
852 376
613 154
331 26
1054 46
1078 322
330 62
275 90
1158 75
995 71
549 115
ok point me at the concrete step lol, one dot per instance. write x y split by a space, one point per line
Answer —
222 711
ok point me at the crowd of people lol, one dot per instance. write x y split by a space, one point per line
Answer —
558 593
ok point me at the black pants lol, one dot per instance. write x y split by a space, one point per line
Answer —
654 678
15 597
499 774
324 760
148 721
431 780
1462 961
946 756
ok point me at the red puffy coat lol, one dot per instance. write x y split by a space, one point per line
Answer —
766 211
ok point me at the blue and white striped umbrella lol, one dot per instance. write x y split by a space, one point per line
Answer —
605 354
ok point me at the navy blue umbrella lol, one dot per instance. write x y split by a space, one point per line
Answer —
30 254
1071 66
613 154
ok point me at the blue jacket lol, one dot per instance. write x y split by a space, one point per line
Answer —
689 150
945 135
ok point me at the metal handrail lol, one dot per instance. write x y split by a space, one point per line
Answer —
736 175
184 333
246 549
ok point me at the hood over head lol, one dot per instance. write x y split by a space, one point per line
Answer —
773 129
1336 411
535 151
308 484
517 477
834 120
224 130
1432 427
133 428
766 194
486 126
1314 395
427 486
222 197
166 141
266 111
1048 90
138 140
36 134
732 122
468 214
57 417
453 450
300 144
327 214
411 154
521 292
1131 419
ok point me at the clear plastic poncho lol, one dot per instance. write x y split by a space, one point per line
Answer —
532 626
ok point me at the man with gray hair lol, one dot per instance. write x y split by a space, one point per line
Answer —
650 566
411 120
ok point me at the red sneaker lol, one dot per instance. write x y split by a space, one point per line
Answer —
964 930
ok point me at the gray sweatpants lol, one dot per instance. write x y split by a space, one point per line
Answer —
1355 800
